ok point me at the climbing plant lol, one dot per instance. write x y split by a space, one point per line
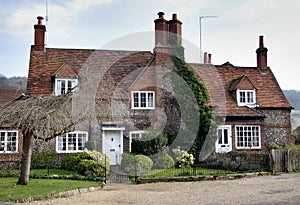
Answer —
201 95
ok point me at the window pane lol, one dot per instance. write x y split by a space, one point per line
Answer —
71 142
242 97
2 141
225 136
63 87
143 99
150 100
58 87
250 97
69 85
220 136
81 141
135 99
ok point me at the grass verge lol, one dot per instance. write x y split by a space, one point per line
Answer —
10 192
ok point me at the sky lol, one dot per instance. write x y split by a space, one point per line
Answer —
128 25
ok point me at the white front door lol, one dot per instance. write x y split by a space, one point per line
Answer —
224 140
113 145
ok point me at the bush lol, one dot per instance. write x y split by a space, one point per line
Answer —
71 161
163 161
136 165
183 158
86 163
44 159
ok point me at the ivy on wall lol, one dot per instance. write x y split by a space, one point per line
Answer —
201 95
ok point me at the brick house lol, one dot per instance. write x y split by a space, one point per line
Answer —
118 95
10 139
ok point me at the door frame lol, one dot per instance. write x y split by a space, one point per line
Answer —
120 129
224 149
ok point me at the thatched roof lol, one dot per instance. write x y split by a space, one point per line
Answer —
43 116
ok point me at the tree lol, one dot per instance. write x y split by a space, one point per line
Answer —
39 117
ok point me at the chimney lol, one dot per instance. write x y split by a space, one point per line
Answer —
175 31
161 30
39 35
261 54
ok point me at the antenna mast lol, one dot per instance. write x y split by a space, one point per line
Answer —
46 12
200 20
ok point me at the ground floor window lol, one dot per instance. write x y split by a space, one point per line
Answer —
8 141
247 136
137 134
71 142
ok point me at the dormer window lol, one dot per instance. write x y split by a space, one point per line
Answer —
142 100
246 98
64 85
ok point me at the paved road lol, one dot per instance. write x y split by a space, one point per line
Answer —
264 190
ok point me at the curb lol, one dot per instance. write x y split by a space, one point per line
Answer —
202 178
60 194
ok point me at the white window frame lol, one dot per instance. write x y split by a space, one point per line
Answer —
68 146
58 85
147 103
247 101
247 137
5 141
138 134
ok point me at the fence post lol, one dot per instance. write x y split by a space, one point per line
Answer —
105 168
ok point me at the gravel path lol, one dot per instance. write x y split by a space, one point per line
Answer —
264 190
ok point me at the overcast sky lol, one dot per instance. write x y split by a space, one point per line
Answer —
123 24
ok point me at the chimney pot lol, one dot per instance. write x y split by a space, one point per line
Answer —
174 17
205 57
261 41
209 58
161 15
40 20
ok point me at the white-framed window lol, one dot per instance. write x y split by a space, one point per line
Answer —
137 134
142 100
246 98
64 85
8 141
71 142
247 137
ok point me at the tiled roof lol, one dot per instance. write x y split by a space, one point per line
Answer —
89 64
219 80
9 95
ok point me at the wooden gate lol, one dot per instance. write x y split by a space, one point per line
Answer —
285 160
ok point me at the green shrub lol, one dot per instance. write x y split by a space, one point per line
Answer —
163 161
89 167
71 161
100 158
44 159
86 163
136 165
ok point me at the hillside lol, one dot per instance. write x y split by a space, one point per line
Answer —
13 83
293 97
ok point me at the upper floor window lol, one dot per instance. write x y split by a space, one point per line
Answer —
71 142
247 137
8 141
62 86
142 100
246 98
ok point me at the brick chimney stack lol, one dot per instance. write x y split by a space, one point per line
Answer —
39 35
175 30
261 54
161 31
